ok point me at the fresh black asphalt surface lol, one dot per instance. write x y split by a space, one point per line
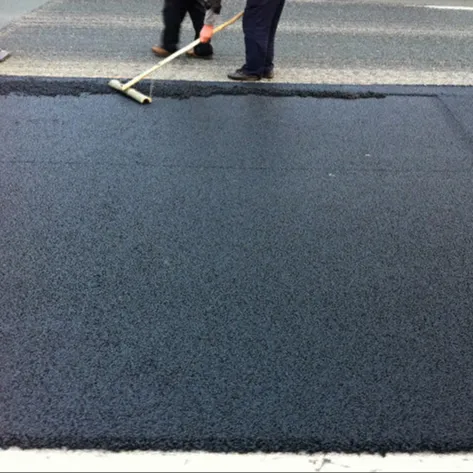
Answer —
237 272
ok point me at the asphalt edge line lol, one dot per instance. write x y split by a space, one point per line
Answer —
179 89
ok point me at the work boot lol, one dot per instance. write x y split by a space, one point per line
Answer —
201 51
161 52
242 75
192 53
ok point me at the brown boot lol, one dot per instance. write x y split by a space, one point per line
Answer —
159 51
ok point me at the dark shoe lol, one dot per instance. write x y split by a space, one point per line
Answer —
241 74
161 52
268 75
193 54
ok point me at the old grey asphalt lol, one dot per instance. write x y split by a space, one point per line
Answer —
234 272
322 42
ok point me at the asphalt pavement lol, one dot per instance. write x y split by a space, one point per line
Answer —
238 268
236 273
319 42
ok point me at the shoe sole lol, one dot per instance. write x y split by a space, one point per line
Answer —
245 79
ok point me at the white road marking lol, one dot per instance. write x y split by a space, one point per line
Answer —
448 7
15 460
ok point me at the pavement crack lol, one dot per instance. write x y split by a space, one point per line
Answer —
456 124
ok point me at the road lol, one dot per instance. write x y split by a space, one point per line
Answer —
322 42
164 286
236 271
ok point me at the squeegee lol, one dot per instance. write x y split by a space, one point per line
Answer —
127 88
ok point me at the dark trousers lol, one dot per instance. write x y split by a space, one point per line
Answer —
260 23
174 12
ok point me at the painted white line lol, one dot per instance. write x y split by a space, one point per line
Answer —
15 460
448 7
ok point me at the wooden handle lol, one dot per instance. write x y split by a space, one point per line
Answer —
228 23
181 51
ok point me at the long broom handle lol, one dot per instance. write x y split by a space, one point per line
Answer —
135 80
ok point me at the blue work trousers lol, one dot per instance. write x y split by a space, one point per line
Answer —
260 23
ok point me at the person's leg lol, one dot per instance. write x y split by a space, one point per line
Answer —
268 63
197 13
174 12
256 23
